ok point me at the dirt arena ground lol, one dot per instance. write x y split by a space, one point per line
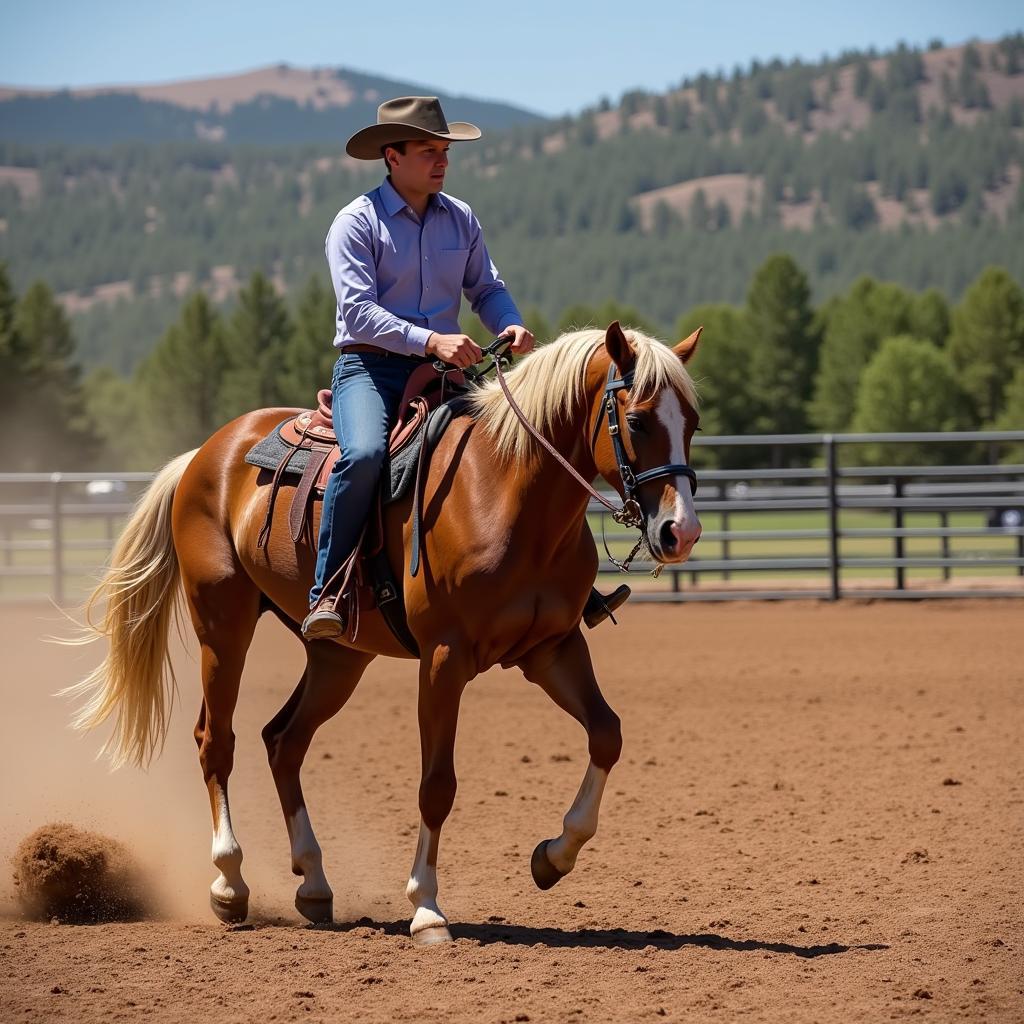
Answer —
817 817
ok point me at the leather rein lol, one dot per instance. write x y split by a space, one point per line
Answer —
631 511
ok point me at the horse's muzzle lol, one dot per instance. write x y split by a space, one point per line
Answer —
674 539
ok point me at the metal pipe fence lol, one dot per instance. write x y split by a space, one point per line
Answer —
831 528
826 528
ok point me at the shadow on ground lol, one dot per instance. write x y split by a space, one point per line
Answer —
601 938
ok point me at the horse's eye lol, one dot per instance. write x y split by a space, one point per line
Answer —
635 423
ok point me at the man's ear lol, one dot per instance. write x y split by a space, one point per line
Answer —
617 344
687 348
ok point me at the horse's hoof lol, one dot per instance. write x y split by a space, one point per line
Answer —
230 911
432 936
319 910
545 874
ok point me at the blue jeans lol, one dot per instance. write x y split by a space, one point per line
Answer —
367 389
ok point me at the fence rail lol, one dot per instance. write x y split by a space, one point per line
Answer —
828 528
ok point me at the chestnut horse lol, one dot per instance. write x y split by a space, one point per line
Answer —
507 564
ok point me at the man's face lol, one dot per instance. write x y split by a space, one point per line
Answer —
421 168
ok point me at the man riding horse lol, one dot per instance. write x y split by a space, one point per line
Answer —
400 258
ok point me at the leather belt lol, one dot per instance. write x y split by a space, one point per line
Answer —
378 351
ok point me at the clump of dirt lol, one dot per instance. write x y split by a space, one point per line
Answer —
78 877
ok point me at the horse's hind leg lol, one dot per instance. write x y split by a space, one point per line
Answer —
331 675
566 675
224 614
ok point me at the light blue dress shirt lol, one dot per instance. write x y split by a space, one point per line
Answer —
398 279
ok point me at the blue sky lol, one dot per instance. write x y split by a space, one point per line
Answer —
551 57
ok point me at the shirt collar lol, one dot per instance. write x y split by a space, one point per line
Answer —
393 202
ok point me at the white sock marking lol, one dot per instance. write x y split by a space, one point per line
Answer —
422 888
580 821
307 858
227 854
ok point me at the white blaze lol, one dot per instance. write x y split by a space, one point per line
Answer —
670 412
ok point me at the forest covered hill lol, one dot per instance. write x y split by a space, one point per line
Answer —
905 165
278 105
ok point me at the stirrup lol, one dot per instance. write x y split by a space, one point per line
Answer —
598 607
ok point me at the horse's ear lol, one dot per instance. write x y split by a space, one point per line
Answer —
619 348
687 348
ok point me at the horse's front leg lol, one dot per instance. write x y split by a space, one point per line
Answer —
443 677
566 675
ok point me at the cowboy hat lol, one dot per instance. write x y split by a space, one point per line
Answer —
404 119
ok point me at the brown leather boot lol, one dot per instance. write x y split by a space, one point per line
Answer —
324 622
598 608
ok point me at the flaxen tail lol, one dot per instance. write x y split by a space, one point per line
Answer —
139 595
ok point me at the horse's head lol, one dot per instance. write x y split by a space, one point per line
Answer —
646 398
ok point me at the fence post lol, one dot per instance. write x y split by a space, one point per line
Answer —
833 517
726 575
944 524
897 490
57 537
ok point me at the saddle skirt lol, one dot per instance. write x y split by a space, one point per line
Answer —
305 445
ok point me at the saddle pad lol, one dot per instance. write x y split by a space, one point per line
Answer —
399 469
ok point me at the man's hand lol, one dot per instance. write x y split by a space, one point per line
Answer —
524 339
457 349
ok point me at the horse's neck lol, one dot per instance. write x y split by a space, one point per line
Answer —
539 488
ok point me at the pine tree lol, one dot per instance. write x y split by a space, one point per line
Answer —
721 370
929 317
8 345
311 355
1012 416
987 340
44 370
256 342
700 213
180 382
853 329
782 345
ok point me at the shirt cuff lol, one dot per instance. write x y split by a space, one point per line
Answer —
416 338
510 319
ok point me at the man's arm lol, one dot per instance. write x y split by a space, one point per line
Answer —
354 273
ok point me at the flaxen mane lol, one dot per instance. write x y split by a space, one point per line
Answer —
549 380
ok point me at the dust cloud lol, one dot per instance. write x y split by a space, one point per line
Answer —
52 774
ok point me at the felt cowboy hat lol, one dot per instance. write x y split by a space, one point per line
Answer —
404 119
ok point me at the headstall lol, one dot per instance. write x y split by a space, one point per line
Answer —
631 512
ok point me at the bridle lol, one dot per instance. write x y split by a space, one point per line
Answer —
631 511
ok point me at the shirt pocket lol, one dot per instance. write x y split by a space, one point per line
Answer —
451 267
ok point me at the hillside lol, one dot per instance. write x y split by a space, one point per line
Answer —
906 165
268 106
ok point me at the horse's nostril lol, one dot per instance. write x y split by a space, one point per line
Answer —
668 536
